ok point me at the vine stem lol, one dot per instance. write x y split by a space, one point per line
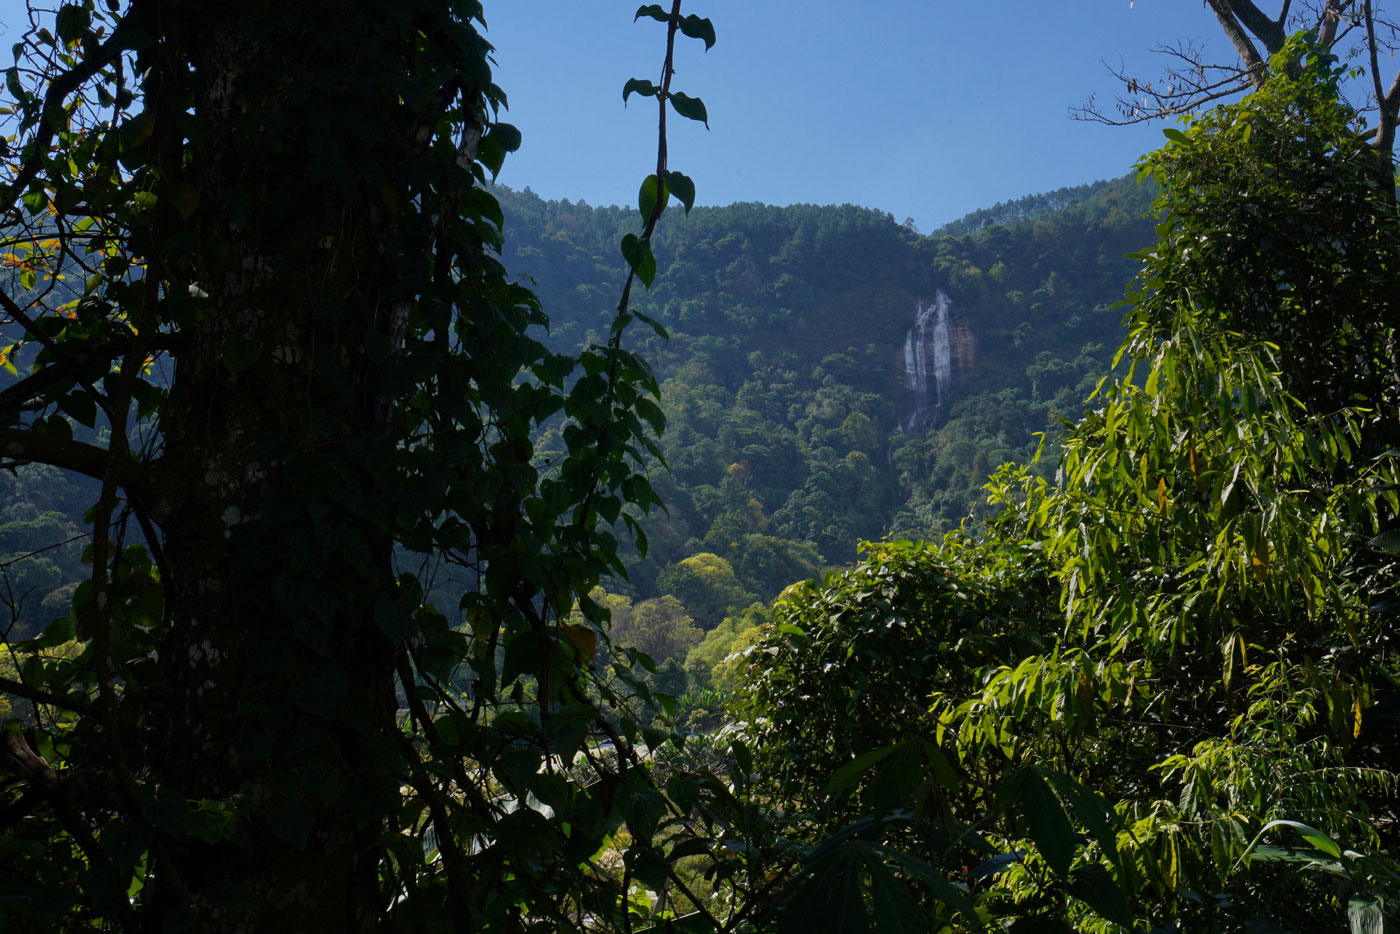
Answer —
667 72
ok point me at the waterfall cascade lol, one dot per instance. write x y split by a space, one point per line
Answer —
928 337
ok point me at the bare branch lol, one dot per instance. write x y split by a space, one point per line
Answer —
1181 90
1191 83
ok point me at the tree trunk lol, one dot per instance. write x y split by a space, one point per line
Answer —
280 693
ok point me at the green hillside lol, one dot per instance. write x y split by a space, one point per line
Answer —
780 378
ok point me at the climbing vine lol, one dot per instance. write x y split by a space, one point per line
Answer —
255 293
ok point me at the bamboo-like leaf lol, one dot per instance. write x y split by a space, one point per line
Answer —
851 772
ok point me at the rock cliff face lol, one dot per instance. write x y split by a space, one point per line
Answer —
939 348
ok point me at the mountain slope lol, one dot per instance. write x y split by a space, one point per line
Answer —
783 377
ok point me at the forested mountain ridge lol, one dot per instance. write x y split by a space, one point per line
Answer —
781 375
1026 208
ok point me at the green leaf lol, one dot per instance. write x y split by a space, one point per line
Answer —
507 135
646 197
896 909
1049 826
692 108
830 900
647 865
697 28
897 778
637 251
639 86
1094 885
1320 841
850 773
491 154
72 21
1176 136
742 757
655 11
1308 857
81 407
1387 541
136 131
994 865
185 198
239 352
1093 811
940 887
168 811
683 188
693 846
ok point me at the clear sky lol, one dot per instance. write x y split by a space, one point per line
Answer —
923 108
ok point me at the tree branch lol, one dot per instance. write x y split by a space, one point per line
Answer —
24 761
24 446
14 311
1225 13
1385 120
19 689
15 396
60 88
16 754
1268 31
1331 19
1187 88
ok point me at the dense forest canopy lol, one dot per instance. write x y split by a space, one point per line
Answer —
385 550
779 378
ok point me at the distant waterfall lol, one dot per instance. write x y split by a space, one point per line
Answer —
930 323
942 353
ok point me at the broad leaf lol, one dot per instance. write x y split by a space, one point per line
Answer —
639 86
1049 826
692 108
699 28
1094 885
683 188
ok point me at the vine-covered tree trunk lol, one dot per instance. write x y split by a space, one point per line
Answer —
292 357
278 683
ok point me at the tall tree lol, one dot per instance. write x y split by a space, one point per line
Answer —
255 293
1178 646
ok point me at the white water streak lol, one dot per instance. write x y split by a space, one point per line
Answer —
930 321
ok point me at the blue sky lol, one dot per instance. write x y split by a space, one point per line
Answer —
923 108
